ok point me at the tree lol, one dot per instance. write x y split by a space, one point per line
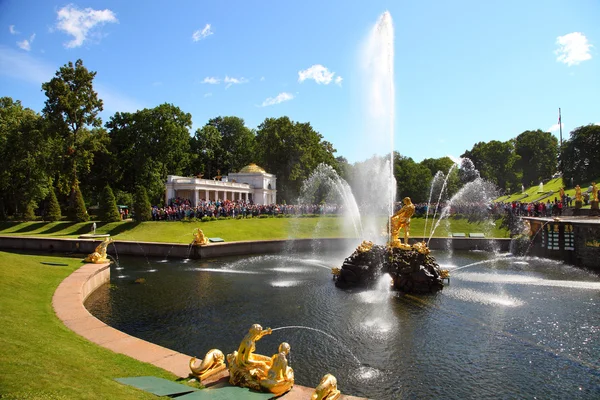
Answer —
444 165
24 157
71 107
580 155
148 145
141 205
496 162
538 151
53 208
206 151
77 211
236 147
291 150
412 179
108 206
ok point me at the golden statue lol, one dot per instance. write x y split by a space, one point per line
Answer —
247 369
327 389
421 247
99 255
562 193
365 246
212 363
199 238
401 220
578 195
594 192
280 377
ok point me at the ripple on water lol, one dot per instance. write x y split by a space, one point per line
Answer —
289 283
525 280
224 271
476 296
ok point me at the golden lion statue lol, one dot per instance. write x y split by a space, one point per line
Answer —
99 255
327 389
212 363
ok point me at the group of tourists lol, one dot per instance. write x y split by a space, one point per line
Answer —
180 209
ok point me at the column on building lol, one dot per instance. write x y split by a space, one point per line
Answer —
206 194
196 197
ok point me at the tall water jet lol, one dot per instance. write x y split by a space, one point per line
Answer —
377 59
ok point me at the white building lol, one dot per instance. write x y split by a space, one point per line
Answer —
252 183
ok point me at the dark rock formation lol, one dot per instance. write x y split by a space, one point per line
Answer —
411 271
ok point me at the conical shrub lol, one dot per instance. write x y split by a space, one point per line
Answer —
53 211
141 205
108 206
77 210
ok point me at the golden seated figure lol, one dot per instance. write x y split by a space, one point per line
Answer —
99 255
212 363
199 238
247 369
327 389
280 377
401 220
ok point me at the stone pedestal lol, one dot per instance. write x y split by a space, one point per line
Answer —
595 210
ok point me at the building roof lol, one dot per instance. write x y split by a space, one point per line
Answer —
252 169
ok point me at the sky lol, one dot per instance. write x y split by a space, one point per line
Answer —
463 71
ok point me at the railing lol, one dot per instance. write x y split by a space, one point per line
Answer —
210 182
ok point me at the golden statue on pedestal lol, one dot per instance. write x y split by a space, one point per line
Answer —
258 372
280 377
401 220
594 192
578 195
327 389
99 255
199 238
212 363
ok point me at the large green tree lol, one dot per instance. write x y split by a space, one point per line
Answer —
496 162
148 145
71 109
538 152
206 152
24 157
291 150
580 155
412 179
445 166
236 146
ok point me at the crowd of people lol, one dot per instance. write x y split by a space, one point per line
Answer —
180 209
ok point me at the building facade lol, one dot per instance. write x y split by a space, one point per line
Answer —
250 184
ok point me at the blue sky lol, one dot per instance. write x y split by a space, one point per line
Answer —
464 71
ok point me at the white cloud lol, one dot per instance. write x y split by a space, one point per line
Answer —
211 80
597 123
573 48
262 78
338 80
319 73
280 98
202 33
12 30
555 127
19 65
234 81
81 23
25 44
157 83
207 94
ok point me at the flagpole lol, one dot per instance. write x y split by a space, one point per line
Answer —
560 126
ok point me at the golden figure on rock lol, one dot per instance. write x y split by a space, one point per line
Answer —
401 220
280 377
212 363
99 255
327 389
199 238
421 247
246 368
365 246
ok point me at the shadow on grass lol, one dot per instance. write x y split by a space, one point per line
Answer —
123 228
31 227
8 225
60 226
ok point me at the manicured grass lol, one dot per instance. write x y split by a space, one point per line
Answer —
233 230
533 195
40 358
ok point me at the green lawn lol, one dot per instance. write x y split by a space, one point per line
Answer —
40 358
533 193
232 230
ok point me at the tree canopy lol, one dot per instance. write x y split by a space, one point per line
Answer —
580 155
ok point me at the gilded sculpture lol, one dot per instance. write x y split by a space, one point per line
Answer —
246 368
401 221
212 363
280 377
594 192
99 255
327 389
199 238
